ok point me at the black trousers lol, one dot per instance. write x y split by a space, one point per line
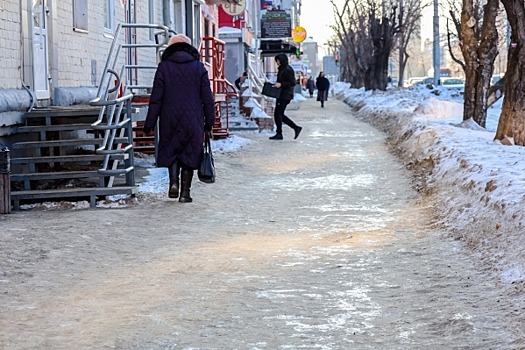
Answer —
279 116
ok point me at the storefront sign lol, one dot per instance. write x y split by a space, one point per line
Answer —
235 8
276 19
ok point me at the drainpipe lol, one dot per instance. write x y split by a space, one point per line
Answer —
32 97
166 13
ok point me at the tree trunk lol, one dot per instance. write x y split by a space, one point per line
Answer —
479 59
382 38
403 59
512 120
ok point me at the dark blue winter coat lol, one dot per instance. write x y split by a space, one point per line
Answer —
183 100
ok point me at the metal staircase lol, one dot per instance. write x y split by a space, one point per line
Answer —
213 56
86 152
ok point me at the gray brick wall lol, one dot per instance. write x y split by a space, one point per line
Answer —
77 50
74 55
10 44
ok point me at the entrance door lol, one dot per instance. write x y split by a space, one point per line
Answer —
40 49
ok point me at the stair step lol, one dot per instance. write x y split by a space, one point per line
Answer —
56 127
63 159
60 143
90 192
66 111
55 175
144 139
244 128
144 149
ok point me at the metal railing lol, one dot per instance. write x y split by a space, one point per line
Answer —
213 52
119 83
256 74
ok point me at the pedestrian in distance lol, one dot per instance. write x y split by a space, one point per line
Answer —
240 80
323 85
310 86
182 102
285 82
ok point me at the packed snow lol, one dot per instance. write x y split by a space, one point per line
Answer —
474 182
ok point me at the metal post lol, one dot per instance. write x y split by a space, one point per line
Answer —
402 40
5 181
435 52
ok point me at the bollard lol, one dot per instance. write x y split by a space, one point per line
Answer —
5 181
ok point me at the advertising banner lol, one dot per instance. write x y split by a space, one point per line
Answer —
276 19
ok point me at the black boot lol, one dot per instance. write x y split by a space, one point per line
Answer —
186 178
174 172
276 137
297 131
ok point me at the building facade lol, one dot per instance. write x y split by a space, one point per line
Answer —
53 52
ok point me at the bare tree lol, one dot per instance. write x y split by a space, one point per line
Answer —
479 53
354 58
512 120
454 36
366 32
409 20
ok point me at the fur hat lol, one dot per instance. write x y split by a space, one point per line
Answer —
179 38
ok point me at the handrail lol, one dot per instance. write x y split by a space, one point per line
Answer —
255 76
97 102
115 49
114 95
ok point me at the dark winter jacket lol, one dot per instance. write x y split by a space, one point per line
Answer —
285 76
322 84
183 100
310 85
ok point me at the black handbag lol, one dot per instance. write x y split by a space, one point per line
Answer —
206 171
270 91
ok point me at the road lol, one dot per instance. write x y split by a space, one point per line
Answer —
314 243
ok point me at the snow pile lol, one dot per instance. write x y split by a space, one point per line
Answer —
476 183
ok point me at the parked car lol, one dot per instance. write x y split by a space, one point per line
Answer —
428 80
453 83
414 80
496 78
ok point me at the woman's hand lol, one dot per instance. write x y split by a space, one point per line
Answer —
277 85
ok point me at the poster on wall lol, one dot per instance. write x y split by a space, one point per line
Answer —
276 19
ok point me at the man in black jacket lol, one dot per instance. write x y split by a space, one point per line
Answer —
285 82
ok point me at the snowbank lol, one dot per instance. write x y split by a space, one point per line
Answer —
475 183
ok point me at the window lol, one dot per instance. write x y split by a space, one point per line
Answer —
80 17
109 14
179 24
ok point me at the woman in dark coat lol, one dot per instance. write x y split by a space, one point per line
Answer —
183 100
286 82
323 85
